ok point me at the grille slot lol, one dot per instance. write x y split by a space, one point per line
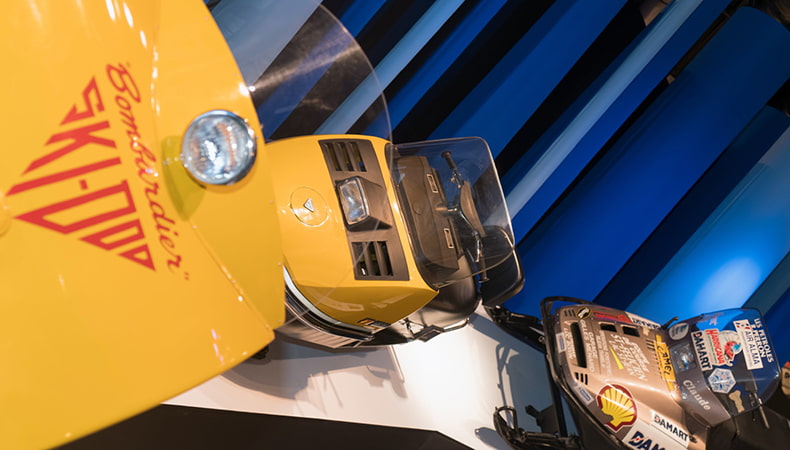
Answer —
372 259
631 331
343 156
581 377
578 345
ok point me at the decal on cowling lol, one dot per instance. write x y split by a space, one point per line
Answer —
721 380
755 342
612 317
670 428
715 347
616 402
642 442
110 206
665 363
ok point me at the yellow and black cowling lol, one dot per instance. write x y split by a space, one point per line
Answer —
126 277
388 243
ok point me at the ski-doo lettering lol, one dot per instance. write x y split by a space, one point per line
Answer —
81 136
78 137
90 99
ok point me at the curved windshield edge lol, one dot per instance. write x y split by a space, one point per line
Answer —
305 71
725 356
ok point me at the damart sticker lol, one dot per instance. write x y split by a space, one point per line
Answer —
642 437
715 347
669 428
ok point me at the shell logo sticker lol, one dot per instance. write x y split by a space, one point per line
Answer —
616 402
79 187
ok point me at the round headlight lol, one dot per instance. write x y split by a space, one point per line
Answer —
218 148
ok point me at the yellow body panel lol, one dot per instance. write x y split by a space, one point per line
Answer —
124 282
316 250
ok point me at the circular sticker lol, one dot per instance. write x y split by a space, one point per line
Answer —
583 313
678 331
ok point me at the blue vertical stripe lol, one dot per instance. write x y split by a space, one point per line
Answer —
444 56
359 13
498 107
695 208
734 251
389 67
611 102
582 245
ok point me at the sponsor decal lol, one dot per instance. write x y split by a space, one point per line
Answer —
583 313
755 343
560 342
616 359
629 356
584 395
692 391
642 441
678 331
612 317
616 402
721 380
82 203
665 363
702 349
669 428
641 321
716 348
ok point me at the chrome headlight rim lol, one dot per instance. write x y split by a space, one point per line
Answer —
250 147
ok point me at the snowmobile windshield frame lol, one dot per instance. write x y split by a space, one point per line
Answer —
453 207
727 356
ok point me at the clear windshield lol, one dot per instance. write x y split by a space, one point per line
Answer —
449 193
306 73
724 356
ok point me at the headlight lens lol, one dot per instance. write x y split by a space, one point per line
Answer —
218 148
353 201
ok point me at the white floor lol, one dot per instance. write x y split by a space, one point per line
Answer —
450 384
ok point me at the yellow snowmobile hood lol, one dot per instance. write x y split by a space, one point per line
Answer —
123 282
